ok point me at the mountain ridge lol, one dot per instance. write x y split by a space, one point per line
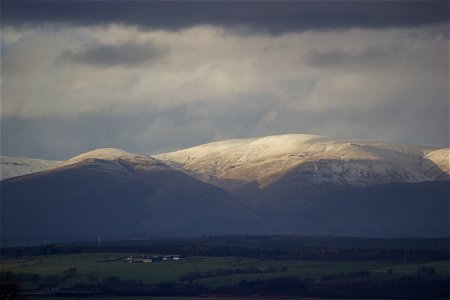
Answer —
115 196
261 160
292 148
291 184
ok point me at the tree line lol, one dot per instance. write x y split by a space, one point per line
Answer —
193 275
269 248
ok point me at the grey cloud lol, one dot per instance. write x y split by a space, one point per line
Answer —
154 131
125 54
272 17
276 108
379 56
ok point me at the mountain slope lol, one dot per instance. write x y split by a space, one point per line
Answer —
11 166
113 193
303 184
261 161
388 210
289 184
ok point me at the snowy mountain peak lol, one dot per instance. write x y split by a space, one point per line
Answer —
99 156
319 159
250 148
103 153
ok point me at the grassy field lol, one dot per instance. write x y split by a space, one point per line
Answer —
93 266
319 269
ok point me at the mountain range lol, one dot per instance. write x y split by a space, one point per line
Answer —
286 184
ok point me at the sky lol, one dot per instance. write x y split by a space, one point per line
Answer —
152 77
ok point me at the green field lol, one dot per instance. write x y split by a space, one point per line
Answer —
99 266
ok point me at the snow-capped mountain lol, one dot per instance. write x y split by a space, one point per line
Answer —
109 154
307 184
114 158
11 166
232 163
110 192
286 184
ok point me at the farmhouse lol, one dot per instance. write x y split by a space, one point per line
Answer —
147 259
139 259
150 259
171 257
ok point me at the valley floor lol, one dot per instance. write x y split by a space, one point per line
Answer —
109 272
234 267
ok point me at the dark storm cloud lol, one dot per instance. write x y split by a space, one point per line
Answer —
379 56
125 54
243 17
